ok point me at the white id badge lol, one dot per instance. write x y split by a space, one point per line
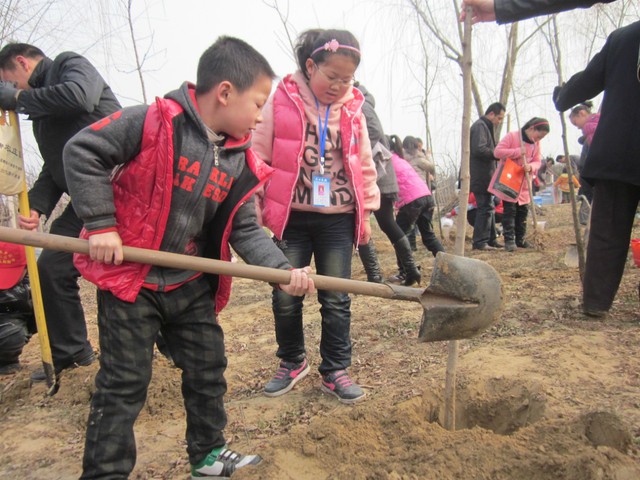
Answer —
321 190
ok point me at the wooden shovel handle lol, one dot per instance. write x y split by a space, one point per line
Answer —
207 265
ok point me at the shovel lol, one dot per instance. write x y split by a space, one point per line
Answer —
463 298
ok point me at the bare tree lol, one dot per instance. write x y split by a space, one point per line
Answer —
22 19
284 20
139 61
452 49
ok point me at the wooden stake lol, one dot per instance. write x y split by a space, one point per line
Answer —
452 360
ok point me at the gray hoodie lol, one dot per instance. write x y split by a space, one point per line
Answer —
91 156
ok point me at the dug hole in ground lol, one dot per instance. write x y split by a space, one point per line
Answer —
545 393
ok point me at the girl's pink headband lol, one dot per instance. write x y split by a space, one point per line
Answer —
333 46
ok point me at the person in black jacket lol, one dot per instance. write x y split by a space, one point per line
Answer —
482 164
506 11
61 97
612 165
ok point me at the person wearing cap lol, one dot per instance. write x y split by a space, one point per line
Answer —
17 322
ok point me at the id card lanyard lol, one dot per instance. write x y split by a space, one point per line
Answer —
323 133
322 182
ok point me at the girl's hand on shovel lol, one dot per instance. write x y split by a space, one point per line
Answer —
300 283
106 247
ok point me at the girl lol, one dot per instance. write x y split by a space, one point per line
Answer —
415 204
582 118
519 145
319 199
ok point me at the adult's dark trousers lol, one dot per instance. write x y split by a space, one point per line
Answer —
420 213
484 227
328 238
186 317
514 222
61 296
586 189
471 218
612 215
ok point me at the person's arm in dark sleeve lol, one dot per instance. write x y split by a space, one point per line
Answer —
44 194
251 242
583 85
90 157
508 11
78 91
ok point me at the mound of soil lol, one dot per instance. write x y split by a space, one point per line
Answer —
545 393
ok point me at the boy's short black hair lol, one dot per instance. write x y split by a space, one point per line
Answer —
11 50
233 60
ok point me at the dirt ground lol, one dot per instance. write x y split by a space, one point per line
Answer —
545 393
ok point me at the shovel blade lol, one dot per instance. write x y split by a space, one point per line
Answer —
571 259
466 279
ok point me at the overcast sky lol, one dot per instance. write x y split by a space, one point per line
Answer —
175 33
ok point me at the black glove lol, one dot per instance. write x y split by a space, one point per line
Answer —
8 93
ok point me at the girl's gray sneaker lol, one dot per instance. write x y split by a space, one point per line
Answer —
340 385
288 374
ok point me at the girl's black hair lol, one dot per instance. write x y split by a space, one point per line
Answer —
584 106
539 124
395 145
410 144
310 40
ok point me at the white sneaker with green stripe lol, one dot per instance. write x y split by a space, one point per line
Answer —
221 463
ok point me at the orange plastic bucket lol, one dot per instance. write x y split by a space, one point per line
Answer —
635 249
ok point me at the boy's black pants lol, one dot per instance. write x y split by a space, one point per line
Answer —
127 334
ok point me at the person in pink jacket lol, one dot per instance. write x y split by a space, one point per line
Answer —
415 203
319 199
582 118
519 146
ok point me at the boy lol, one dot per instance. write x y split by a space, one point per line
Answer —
183 182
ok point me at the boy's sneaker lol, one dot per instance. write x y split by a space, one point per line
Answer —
340 385
288 374
222 463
